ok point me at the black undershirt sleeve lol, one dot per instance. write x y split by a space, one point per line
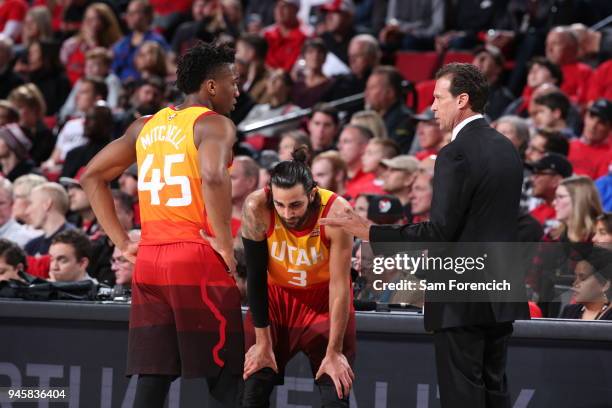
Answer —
256 253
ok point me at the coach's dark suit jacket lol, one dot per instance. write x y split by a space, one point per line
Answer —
476 193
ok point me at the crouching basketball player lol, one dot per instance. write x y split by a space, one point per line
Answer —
298 276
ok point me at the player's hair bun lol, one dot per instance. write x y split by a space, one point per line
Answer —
300 155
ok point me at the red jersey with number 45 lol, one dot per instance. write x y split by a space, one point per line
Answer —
169 183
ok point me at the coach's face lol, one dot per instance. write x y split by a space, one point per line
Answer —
291 204
445 106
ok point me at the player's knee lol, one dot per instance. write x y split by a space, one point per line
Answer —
258 388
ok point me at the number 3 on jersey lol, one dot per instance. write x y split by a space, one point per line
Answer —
155 184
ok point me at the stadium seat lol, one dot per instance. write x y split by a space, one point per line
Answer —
416 66
457 56
425 92
39 265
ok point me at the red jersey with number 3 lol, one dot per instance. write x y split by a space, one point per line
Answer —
169 183
299 259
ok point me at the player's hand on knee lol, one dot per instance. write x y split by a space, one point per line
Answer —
259 357
336 366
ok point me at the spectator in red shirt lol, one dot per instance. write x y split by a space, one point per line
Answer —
428 133
351 145
591 154
245 178
562 49
12 14
286 37
329 171
377 150
547 175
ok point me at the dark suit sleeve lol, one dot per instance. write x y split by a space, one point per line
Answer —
450 202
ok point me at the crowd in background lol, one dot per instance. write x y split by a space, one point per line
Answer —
75 74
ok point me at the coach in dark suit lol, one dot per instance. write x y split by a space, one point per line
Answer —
476 193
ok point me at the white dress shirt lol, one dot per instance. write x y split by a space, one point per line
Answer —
462 124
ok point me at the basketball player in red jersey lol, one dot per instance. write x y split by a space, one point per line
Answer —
185 316
298 286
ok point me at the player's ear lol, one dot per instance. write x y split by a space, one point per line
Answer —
211 87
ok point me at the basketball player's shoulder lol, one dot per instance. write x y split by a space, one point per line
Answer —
136 127
211 123
255 215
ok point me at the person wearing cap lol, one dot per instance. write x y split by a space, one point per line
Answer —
14 152
591 154
490 61
429 136
384 95
475 199
546 176
351 146
286 37
409 25
398 177
384 209
339 29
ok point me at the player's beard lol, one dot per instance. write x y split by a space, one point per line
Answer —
299 223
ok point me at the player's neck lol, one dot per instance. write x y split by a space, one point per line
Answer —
194 100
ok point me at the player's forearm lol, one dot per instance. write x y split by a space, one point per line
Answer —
217 193
99 195
339 298
263 336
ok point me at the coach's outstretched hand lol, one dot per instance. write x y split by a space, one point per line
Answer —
258 357
337 367
351 222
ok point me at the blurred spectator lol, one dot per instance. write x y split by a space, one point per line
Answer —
362 203
49 204
251 53
351 145
547 174
490 61
31 106
420 196
577 207
384 94
429 136
36 26
339 29
591 289
100 28
150 60
14 148
97 65
312 83
278 89
591 154
373 121
128 181
209 24
12 260
286 37
604 185
8 113
377 150
245 179
98 129
603 230
70 253
12 14
291 141
399 175
323 127
9 228
22 187
123 268
540 71
410 25
594 46
81 214
147 99
549 112
562 49
259 14
515 129
600 85
43 68
364 54
139 16
267 160
9 80
329 171
124 206
91 90
573 118
544 142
